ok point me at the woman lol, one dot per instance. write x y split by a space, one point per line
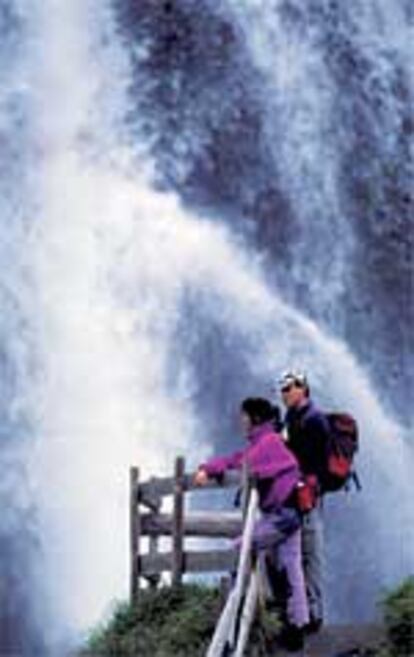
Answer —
276 473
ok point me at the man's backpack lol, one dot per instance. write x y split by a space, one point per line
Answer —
342 445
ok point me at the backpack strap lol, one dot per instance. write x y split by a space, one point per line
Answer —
355 478
315 411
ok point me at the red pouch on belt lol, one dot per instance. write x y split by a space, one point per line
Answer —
307 493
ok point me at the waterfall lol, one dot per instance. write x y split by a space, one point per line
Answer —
299 99
125 314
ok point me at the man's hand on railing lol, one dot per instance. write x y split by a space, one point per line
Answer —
200 477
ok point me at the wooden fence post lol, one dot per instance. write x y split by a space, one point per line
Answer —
224 590
154 579
178 523
245 489
134 532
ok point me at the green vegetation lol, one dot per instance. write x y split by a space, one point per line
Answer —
398 610
167 622
181 621
164 622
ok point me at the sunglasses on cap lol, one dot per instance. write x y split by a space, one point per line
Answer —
292 384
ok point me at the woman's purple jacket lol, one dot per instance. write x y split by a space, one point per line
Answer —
269 461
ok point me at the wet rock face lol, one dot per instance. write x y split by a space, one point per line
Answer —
372 104
205 105
21 631
196 94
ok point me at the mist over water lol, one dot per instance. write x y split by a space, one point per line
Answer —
136 310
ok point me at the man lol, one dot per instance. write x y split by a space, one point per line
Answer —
307 432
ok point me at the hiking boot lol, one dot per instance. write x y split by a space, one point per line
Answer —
314 626
292 638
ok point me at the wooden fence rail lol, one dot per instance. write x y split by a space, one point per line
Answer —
148 520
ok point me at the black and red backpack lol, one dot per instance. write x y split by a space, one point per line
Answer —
341 447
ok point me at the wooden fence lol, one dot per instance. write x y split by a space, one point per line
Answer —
147 519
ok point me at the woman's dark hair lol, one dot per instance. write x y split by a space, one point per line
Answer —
260 410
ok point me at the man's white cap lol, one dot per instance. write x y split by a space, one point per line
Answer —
297 377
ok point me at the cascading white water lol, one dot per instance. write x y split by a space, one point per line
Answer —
299 98
107 262
98 400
